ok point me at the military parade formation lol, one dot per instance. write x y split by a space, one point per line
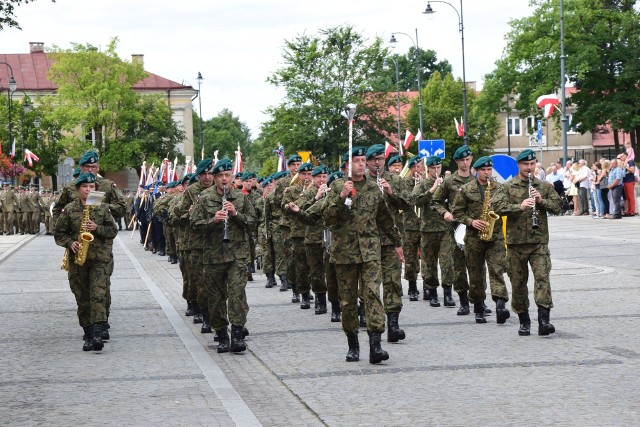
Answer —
338 244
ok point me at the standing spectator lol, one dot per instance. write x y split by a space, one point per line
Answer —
616 175
539 172
573 172
596 195
582 182
604 189
628 182
567 175
555 174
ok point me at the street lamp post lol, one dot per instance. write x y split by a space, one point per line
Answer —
415 43
385 67
200 79
12 88
564 118
430 11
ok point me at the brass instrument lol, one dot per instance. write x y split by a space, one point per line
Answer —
225 238
305 186
84 237
534 212
487 216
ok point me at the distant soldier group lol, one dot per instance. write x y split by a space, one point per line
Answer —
24 208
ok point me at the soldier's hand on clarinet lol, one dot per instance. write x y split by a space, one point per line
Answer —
386 187
347 189
321 191
478 224
400 253
220 216
230 208
536 195
448 216
527 204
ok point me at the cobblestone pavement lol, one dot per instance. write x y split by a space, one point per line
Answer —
159 369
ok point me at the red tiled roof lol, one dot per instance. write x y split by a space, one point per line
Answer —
602 136
30 71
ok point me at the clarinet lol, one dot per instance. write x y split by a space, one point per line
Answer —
225 238
378 178
534 212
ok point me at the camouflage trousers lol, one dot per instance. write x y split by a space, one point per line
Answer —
280 251
436 246
333 293
89 284
170 239
9 219
298 272
348 276
28 225
197 277
537 255
268 255
225 288
478 253
3 221
315 260
189 292
391 269
460 281
411 249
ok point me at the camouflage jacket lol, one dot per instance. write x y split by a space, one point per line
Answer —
410 219
397 202
311 215
355 231
32 202
192 239
443 197
507 202
201 219
278 194
112 197
161 207
291 195
467 206
180 227
430 220
67 230
9 201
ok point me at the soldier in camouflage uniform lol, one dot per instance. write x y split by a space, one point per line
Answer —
395 166
161 212
355 249
9 203
181 228
225 264
411 233
396 196
521 200
128 211
333 291
265 237
248 181
89 282
273 212
468 209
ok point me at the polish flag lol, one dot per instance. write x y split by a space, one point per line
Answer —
30 157
459 127
408 139
418 135
548 102
13 149
237 164
143 174
174 173
388 148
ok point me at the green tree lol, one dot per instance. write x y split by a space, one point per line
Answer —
407 71
222 133
7 17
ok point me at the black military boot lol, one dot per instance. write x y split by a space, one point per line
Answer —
189 311
336 309
525 324
237 344
174 260
544 327
284 283
502 313
478 309
487 310
249 277
306 302
295 297
362 321
197 313
433 298
88 340
252 267
223 340
413 290
394 333
321 303
376 353
206 327
271 281
162 252
464 304
353 355
448 299
105 332
96 336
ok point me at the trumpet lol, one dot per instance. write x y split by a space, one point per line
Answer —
534 212
225 238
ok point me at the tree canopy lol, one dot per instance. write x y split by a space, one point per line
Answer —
7 13
222 133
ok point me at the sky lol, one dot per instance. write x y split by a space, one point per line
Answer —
237 44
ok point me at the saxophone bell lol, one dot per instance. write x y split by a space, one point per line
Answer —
488 216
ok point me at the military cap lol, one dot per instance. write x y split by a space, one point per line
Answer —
266 181
294 158
375 150
171 185
277 175
88 158
414 160
193 178
186 178
238 175
205 165
343 164
356 151
76 172
462 152
526 155
85 178
162 184
334 176
434 161
305 167
345 157
483 162
322 169
287 173
249 175
223 165
394 159
33 185
262 178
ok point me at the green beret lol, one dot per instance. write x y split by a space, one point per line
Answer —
334 176
462 152
205 165
89 157
483 162
434 161
357 152
222 166
322 169
193 178
85 178
345 158
343 164
277 175
414 160
375 150
266 182
526 155
294 158
251 175
76 172
186 179
305 167
394 159
171 185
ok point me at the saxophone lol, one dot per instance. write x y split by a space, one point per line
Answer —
84 237
488 216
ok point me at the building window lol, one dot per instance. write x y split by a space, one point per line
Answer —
572 127
531 125
513 126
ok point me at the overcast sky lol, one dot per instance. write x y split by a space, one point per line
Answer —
236 44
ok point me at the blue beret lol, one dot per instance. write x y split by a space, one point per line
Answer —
483 162
222 166
414 160
294 158
434 161
85 178
394 159
375 150
251 175
305 167
526 155
334 176
205 165
76 172
89 157
322 169
462 152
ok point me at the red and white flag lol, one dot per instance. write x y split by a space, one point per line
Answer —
13 149
29 156
408 139
174 171
388 148
459 127
418 135
548 102
237 164
143 174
